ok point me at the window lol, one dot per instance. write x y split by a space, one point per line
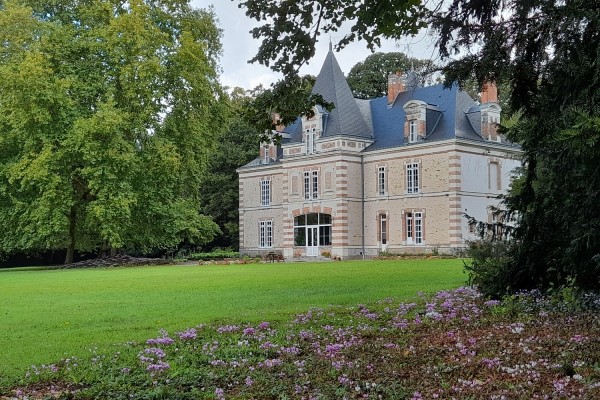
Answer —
412 178
306 225
311 185
418 238
266 158
414 228
412 131
381 187
265 192
311 142
265 234
383 228
494 177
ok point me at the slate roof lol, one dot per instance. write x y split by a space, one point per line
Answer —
450 113
445 116
346 118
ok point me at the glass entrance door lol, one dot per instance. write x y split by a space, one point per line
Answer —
312 241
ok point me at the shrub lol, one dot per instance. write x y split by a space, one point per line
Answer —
491 268
214 255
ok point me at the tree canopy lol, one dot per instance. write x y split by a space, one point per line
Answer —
368 79
108 111
548 52
219 195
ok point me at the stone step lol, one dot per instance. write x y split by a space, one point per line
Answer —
310 259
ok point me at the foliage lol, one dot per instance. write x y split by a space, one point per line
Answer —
368 79
293 27
71 311
451 344
546 51
219 193
490 267
214 255
107 115
282 104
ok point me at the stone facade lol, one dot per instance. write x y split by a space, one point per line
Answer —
353 195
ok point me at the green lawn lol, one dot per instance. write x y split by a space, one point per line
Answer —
46 315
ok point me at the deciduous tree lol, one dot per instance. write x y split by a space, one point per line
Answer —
108 110
368 79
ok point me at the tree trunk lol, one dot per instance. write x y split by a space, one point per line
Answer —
71 243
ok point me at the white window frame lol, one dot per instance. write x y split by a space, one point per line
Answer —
383 229
265 234
412 131
266 157
265 192
412 178
418 238
311 141
311 185
381 181
414 228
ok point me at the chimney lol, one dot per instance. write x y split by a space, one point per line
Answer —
489 93
395 86
278 127
490 112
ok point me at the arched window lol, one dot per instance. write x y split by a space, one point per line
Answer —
312 229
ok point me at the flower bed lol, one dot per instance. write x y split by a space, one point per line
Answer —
450 345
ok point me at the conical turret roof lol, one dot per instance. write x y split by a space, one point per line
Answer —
346 118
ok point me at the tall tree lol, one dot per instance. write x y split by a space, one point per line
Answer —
219 195
549 53
108 110
368 79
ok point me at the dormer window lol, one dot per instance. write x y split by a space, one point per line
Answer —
266 156
412 131
311 141
414 124
490 119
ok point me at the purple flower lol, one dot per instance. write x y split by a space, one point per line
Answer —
164 339
188 334
492 303
158 366
264 325
228 328
249 331
270 363
159 353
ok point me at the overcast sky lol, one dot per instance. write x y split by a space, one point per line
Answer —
239 47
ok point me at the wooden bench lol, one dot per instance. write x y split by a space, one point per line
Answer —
273 256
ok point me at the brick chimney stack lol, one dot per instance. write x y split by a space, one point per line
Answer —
489 93
395 86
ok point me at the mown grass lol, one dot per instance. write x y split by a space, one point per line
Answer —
50 314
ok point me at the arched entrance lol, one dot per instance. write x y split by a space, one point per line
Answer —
312 231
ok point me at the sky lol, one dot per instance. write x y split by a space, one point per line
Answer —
239 47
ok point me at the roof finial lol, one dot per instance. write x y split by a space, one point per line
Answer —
330 46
